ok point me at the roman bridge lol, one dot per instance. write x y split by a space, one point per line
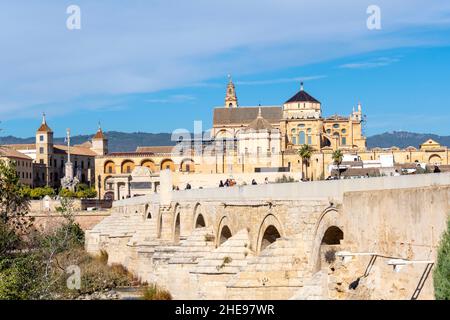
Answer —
278 241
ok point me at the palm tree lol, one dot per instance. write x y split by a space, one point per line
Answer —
337 160
305 152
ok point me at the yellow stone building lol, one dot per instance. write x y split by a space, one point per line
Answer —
23 164
254 139
49 159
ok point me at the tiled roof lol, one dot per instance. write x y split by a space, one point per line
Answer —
99 135
245 115
11 153
25 146
259 123
302 96
155 149
82 151
86 144
44 128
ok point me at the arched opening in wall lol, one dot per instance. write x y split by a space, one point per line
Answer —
435 159
168 164
147 212
333 236
187 165
160 225
149 164
200 222
176 233
225 234
110 167
127 166
270 236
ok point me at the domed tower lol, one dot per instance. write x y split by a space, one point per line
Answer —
302 106
230 97
100 142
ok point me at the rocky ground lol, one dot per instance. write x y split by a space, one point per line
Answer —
126 293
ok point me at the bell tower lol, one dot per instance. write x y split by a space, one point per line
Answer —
230 97
44 149
100 142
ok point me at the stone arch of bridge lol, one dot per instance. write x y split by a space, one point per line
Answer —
147 212
328 230
269 231
224 231
199 217
176 229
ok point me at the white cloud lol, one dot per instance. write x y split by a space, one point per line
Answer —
177 98
375 63
280 80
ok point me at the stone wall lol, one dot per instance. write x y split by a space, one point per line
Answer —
49 221
269 241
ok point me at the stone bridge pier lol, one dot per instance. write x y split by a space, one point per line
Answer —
278 241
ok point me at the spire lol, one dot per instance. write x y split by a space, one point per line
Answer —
99 135
301 86
359 106
44 127
230 96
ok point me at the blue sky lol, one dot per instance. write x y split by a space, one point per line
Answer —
156 66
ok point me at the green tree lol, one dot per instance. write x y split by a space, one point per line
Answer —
39 193
14 205
441 276
337 160
305 152
66 193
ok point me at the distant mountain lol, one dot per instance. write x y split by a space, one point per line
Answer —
125 142
403 139
117 141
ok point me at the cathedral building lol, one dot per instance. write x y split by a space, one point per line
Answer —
246 140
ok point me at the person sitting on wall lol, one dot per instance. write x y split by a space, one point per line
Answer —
266 180
221 184
188 186
254 182
227 183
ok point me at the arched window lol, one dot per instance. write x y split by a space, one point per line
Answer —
301 137
344 141
309 139
336 135
294 139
